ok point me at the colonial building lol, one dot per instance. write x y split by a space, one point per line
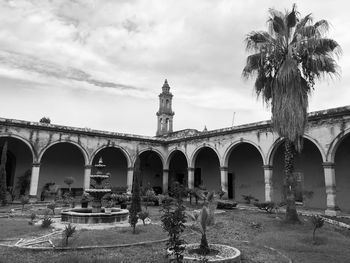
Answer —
241 160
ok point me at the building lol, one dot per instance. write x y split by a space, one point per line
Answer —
241 160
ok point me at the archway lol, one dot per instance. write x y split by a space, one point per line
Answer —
342 174
59 161
178 168
207 169
151 170
19 163
311 191
116 164
245 172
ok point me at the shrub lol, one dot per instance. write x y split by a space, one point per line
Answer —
45 120
173 222
150 197
52 207
47 221
12 193
249 198
143 215
68 232
317 222
32 216
24 201
23 182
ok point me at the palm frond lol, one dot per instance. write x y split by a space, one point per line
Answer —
253 63
255 40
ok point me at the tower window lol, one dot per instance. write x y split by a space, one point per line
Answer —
167 103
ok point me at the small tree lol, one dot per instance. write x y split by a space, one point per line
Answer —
45 120
23 182
69 181
3 183
317 222
136 198
173 222
24 201
52 207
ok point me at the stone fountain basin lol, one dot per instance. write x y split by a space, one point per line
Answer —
85 216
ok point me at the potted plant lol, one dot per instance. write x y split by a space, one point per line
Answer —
122 200
85 199
108 207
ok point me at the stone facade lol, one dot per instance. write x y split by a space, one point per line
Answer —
239 160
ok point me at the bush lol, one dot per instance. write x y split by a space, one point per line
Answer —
47 221
173 222
68 232
45 120
23 182
226 204
143 215
249 198
52 207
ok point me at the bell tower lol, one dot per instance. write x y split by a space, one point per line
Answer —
165 113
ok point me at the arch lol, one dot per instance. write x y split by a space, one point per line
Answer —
161 157
335 144
170 155
30 146
280 140
125 152
197 150
233 145
83 151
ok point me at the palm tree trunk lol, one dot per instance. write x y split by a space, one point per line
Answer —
290 182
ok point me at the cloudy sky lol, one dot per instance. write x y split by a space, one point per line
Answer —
101 64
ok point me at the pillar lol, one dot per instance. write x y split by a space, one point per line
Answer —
224 180
165 180
268 183
329 178
87 173
34 182
129 179
190 179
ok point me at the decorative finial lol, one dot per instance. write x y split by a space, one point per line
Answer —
166 87
205 128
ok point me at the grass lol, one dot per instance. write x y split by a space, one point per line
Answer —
115 236
17 228
260 229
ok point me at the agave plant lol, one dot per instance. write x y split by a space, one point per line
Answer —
203 220
317 222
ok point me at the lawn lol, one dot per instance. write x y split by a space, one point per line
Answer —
253 232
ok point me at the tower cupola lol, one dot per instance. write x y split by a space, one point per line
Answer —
165 113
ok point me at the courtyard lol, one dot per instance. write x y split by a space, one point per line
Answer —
260 236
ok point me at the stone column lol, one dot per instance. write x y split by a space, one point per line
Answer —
87 173
165 180
170 125
129 179
268 183
34 182
224 180
329 178
190 179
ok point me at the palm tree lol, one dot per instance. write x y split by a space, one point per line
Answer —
286 60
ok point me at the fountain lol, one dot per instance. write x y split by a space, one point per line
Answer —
97 213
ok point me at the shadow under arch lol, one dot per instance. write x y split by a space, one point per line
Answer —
308 172
125 153
280 140
198 149
335 144
30 146
170 156
82 150
233 145
151 149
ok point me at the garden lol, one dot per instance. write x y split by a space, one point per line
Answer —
163 225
